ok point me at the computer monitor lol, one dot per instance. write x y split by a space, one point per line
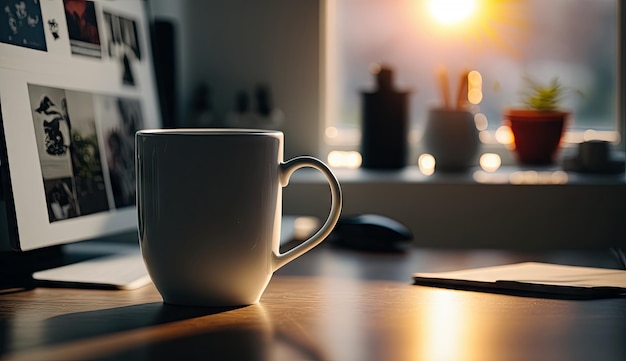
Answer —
76 82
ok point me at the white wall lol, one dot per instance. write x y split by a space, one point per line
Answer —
237 44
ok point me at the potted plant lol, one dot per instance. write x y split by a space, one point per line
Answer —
538 128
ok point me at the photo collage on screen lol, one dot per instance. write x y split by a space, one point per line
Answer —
86 149
23 24
85 137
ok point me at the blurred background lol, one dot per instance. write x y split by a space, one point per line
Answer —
303 67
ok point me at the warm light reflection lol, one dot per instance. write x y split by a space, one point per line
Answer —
426 164
304 226
481 176
504 135
475 87
332 132
591 134
475 96
414 136
534 177
484 137
529 177
446 324
490 162
559 177
345 159
577 137
451 11
524 177
346 338
481 121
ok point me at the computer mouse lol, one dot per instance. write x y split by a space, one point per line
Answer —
371 232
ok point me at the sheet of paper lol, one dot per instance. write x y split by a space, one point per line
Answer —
535 277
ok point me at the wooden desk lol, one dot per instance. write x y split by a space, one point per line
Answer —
328 305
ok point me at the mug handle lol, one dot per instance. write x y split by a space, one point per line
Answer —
286 170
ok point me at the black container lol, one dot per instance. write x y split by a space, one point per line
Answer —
384 124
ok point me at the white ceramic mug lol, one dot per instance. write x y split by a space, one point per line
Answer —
451 137
210 206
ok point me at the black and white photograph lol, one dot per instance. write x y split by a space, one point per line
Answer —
85 154
53 135
52 130
21 24
61 199
123 44
120 118
82 28
68 148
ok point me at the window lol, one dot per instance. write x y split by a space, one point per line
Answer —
504 40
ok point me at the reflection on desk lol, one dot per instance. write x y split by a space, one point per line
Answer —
328 305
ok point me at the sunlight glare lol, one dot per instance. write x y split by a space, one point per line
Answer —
451 11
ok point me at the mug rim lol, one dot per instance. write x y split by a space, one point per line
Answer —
208 131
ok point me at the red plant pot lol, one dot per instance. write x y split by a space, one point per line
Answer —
537 134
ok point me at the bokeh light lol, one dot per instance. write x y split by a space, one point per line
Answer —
490 162
426 164
345 159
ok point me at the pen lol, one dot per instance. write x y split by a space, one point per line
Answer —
461 98
442 78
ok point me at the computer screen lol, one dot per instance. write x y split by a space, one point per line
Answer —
76 82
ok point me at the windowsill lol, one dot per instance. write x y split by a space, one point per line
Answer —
457 211
549 175
349 141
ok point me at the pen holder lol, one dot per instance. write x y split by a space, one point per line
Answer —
451 137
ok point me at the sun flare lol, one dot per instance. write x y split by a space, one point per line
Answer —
493 24
451 11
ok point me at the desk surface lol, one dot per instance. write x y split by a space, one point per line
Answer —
328 305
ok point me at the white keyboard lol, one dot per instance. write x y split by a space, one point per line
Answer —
122 269
117 271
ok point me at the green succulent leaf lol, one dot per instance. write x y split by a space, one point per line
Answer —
543 96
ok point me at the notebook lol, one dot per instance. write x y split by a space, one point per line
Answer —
533 277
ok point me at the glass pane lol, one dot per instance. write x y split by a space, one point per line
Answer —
574 40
